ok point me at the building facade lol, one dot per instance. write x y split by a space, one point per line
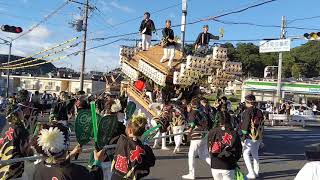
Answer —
299 92
50 84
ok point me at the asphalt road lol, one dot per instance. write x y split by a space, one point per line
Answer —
282 158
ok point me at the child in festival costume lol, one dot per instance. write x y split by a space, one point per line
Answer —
225 149
132 159
14 143
54 143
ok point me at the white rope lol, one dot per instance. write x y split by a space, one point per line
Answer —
186 132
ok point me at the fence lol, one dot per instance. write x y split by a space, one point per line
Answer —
303 120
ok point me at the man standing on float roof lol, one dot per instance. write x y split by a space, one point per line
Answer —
204 38
169 47
146 29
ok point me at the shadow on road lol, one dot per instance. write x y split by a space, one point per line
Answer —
280 174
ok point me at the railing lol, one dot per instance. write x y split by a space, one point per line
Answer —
141 99
304 120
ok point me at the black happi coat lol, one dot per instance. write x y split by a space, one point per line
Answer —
168 33
204 38
148 25
66 171
13 138
197 123
225 148
249 116
132 159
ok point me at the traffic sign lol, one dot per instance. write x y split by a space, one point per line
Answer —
280 45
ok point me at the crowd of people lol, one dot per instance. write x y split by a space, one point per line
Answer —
216 134
213 134
290 108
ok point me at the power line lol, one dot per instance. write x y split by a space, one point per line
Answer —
59 58
302 19
133 19
43 51
261 25
206 19
34 8
194 22
24 18
102 17
229 13
153 12
45 56
42 21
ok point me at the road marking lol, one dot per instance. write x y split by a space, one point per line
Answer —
274 136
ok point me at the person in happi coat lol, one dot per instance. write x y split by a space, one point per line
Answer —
53 142
132 159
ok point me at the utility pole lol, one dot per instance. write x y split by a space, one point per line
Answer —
8 71
282 36
183 24
84 48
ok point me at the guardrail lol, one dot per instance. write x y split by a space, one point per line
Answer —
303 120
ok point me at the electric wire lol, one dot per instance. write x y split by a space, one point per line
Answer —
201 20
261 25
46 18
43 57
59 58
43 51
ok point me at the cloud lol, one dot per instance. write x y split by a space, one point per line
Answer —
100 59
104 6
30 43
110 21
122 7
40 33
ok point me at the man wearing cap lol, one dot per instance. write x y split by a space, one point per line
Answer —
204 38
251 130
146 29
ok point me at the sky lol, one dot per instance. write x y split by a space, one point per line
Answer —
104 22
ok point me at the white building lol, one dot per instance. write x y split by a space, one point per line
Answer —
51 84
299 92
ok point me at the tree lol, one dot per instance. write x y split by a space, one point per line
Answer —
296 71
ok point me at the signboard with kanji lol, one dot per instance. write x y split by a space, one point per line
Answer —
280 45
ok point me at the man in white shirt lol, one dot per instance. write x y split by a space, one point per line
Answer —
314 109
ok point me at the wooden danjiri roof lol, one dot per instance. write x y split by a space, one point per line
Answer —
152 57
